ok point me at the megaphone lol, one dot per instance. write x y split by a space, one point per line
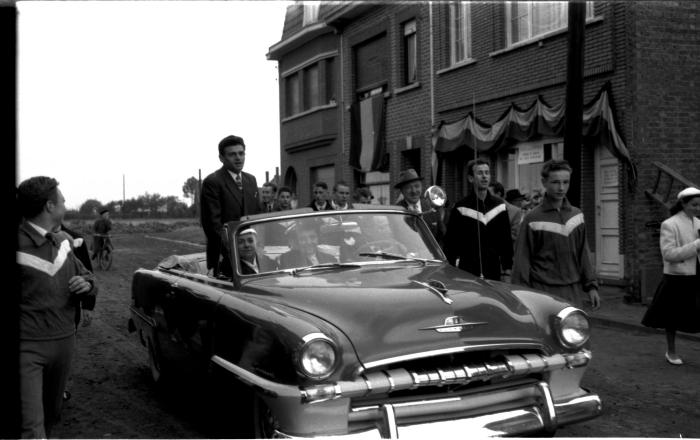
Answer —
436 196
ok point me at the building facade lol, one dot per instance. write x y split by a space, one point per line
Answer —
431 85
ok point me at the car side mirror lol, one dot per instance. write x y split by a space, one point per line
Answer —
436 196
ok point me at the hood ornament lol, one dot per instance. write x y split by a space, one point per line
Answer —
454 324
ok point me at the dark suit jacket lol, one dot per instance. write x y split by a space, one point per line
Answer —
222 202
432 217
265 264
294 258
329 206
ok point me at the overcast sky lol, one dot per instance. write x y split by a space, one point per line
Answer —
145 90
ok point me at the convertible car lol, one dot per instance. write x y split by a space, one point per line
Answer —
352 323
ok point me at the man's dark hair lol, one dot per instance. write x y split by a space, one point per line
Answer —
33 193
498 189
473 163
321 184
270 184
340 183
230 140
284 189
555 165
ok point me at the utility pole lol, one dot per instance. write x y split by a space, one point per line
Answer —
573 134
198 195
123 189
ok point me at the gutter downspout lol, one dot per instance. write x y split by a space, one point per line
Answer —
433 156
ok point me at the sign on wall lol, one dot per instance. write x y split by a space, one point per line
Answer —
530 154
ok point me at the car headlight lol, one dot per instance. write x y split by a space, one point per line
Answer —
572 327
317 356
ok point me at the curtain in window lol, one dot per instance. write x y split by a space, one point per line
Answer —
367 146
537 121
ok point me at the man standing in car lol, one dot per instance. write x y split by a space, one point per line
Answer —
227 194
478 232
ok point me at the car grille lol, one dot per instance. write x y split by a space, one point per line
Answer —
406 378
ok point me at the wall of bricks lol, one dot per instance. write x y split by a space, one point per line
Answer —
664 102
648 51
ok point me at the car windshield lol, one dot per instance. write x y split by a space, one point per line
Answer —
333 241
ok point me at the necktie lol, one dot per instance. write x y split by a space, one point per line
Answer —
238 181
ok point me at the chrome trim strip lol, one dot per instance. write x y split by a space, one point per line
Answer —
312 336
147 319
272 389
442 351
566 311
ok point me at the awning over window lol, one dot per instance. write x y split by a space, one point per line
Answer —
367 146
537 121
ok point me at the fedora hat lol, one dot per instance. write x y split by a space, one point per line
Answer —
514 194
407 176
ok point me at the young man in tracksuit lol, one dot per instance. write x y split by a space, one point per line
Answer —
552 251
54 285
480 222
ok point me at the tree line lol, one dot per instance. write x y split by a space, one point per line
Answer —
145 206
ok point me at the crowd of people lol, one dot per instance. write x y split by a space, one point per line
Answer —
536 240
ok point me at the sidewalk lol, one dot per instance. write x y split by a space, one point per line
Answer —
615 312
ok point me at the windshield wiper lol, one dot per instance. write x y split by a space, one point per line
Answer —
324 266
390 256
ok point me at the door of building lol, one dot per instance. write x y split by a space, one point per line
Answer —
608 261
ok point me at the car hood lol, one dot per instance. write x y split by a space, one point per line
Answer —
387 313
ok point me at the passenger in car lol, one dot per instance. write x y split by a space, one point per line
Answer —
250 261
305 251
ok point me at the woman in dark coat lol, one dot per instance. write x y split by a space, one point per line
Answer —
676 303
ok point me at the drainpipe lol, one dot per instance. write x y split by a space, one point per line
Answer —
433 157
341 99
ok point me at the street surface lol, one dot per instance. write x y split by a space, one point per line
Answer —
113 396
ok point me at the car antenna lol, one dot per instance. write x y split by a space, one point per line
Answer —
478 226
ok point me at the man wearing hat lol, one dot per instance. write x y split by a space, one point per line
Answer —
101 228
552 250
478 233
251 262
411 188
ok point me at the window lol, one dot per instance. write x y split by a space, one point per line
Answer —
519 167
310 13
460 32
526 20
378 183
410 53
371 63
292 102
311 87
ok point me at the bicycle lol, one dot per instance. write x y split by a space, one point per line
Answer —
104 255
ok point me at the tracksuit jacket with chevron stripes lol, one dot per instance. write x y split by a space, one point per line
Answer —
489 219
48 309
552 248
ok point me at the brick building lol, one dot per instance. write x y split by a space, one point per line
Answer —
398 86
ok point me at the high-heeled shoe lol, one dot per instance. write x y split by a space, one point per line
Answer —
674 360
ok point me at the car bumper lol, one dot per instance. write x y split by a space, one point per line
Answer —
522 405
541 417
